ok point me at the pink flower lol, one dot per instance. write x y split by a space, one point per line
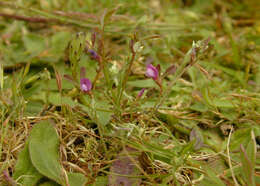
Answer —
141 93
85 85
152 71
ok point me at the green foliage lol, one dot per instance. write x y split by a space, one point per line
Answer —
24 169
211 179
34 44
180 125
44 146
40 158
76 179
59 43
248 157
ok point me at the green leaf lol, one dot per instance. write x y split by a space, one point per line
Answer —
230 114
34 89
206 96
24 169
223 103
59 42
100 181
44 151
34 44
1 76
106 16
188 148
33 108
146 83
251 149
211 179
49 183
56 99
76 179
247 167
103 116
200 107
240 136
248 158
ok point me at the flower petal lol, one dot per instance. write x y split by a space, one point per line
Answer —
141 92
93 54
151 71
85 84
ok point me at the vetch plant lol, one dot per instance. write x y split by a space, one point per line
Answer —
124 108
197 51
138 111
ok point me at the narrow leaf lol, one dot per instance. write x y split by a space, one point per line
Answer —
106 16
211 179
247 167
1 76
58 79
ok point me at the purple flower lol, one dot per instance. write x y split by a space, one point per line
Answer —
85 85
141 93
93 55
151 72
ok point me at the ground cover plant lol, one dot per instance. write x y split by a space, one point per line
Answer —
129 92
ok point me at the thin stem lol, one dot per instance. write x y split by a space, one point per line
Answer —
93 116
182 69
122 88
229 159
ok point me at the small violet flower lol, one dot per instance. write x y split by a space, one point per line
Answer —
141 93
85 85
152 72
94 55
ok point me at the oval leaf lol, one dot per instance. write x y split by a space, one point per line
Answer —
76 179
24 169
43 148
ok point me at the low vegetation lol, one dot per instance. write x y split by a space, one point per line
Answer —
129 92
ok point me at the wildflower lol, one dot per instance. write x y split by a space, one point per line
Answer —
94 55
152 72
85 85
141 93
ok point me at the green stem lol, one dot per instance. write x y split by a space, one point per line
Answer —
126 75
93 116
179 72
